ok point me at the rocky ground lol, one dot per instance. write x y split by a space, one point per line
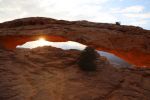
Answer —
49 73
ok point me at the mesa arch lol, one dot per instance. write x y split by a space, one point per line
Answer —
10 42
128 42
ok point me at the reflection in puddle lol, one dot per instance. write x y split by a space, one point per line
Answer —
73 45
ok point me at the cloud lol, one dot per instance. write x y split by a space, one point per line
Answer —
130 9
133 15
136 11
138 15
60 9
139 22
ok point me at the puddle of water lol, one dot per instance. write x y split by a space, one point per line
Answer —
72 45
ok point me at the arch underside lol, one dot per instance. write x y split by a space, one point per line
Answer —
125 47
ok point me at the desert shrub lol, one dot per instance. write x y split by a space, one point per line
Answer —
118 23
87 59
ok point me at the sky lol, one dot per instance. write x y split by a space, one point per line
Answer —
128 12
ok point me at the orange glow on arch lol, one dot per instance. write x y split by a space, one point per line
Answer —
133 56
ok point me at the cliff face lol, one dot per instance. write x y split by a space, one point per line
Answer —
49 73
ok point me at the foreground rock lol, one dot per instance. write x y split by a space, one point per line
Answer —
52 74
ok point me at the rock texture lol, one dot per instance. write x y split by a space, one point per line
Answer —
49 73
98 35
127 42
